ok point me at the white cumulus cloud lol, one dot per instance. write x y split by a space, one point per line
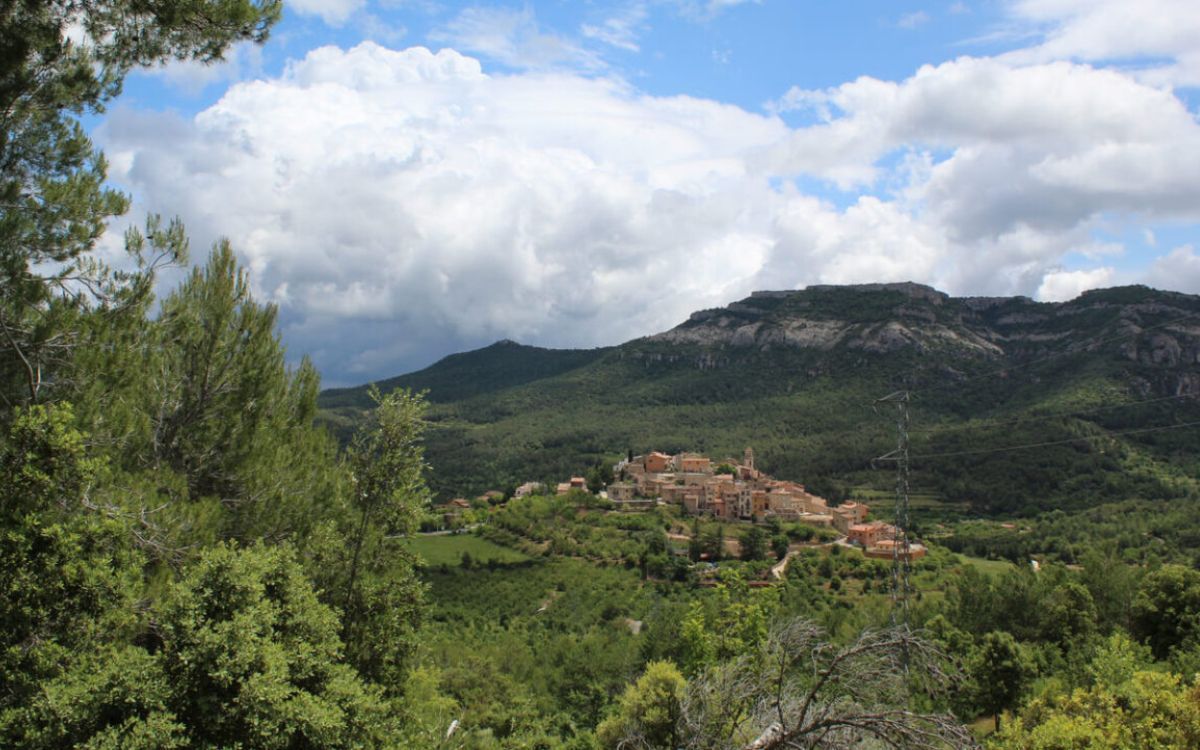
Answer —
402 204
398 203
1159 36
1061 286
1046 145
1178 270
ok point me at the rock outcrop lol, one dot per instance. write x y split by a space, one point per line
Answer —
890 318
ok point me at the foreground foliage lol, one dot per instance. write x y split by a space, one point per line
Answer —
239 653
800 690
1125 705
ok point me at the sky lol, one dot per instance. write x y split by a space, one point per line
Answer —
406 179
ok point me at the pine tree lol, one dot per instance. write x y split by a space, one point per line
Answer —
54 203
380 595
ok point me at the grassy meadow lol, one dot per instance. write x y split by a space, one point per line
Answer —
448 549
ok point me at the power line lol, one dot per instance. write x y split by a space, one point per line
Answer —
1106 435
902 456
901 551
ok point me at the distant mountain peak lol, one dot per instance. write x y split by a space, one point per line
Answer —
908 288
888 317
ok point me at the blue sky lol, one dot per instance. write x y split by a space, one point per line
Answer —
744 53
410 178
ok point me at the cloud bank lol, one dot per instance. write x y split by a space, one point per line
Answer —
399 205
1156 39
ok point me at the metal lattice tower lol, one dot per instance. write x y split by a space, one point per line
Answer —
901 557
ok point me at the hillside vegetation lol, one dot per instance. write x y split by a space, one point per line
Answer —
1092 382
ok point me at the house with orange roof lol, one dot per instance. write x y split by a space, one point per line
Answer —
848 514
886 549
656 463
867 535
693 464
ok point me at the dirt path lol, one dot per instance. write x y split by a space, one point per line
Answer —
779 568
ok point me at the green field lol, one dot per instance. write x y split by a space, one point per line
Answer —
991 567
882 502
448 550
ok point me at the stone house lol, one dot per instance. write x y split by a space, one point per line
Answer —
816 519
621 492
527 489
656 463
886 549
867 535
848 514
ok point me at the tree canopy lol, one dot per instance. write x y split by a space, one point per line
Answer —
60 59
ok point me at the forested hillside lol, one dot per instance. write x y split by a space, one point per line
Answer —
185 560
503 365
1105 385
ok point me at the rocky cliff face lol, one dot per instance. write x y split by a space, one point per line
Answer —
1142 325
807 333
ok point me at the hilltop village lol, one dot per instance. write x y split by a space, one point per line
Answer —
729 490
733 490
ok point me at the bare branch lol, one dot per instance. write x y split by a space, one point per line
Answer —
801 691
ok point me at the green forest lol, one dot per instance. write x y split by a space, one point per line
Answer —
190 558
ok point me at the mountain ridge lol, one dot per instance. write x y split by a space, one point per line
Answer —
795 372
459 375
